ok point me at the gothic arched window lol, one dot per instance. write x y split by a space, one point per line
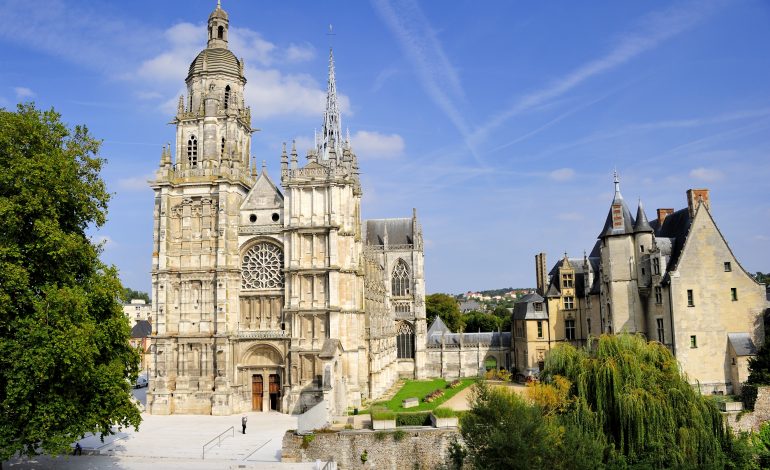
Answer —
400 279
227 96
262 267
192 151
405 341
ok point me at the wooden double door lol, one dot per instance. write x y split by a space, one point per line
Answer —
258 392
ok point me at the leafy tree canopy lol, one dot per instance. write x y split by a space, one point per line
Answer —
764 278
641 401
759 367
480 321
446 307
131 294
64 342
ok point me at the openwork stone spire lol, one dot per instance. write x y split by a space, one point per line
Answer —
331 132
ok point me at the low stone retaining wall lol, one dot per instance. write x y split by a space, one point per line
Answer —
404 448
752 420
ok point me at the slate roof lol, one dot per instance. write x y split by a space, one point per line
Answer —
468 305
742 344
438 327
142 329
641 224
524 309
400 231
628 221
554 288
675 227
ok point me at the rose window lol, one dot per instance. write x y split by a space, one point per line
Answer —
262 267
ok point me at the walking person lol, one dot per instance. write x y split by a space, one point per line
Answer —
243 423
78 450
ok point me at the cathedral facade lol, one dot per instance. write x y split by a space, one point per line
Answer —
273 297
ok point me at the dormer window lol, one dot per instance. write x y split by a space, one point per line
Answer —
568 280
538 306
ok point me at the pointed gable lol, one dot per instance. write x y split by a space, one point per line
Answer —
263 195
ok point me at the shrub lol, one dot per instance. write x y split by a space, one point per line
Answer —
413 419
504 375
380 435
306 440
491 374
749 396
398 435
444 413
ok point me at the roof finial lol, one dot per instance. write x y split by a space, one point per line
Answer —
264 166
219 4
616 180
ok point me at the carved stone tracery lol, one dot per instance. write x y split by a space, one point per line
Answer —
262 267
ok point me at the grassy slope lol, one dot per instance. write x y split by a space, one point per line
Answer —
420 388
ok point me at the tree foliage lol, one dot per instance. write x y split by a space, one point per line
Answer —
759 367
503 431
446 307
642 403
64 350
129 294
479 321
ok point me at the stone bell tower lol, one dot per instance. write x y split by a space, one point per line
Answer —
199 188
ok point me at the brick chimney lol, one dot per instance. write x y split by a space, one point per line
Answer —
662 214
695 197
541 273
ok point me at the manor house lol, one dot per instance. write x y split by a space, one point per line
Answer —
673 279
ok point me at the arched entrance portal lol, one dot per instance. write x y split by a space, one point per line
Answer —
262 370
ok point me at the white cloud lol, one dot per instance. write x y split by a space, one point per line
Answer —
299 52
271 93
148 95
135 183
23 93
761 238
562 174
706 174
368 144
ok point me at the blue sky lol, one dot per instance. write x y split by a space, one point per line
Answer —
501 122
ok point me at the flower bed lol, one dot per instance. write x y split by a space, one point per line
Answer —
433 396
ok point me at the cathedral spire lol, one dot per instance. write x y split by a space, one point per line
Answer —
331 132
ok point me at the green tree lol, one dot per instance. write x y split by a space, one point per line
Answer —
480 321
446 307
64 342
645 407
129 294
502 431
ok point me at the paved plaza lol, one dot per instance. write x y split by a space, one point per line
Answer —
176 442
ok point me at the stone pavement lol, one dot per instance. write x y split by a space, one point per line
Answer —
176 442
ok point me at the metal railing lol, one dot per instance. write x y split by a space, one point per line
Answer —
231 429
330 465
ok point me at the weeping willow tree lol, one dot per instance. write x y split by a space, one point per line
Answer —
636 394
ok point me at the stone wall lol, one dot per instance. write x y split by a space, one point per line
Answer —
418 448
752 420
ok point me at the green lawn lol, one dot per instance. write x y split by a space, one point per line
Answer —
420 388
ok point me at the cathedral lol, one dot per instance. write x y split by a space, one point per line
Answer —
273 294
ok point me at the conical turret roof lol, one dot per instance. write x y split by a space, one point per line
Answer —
619 220
641 224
